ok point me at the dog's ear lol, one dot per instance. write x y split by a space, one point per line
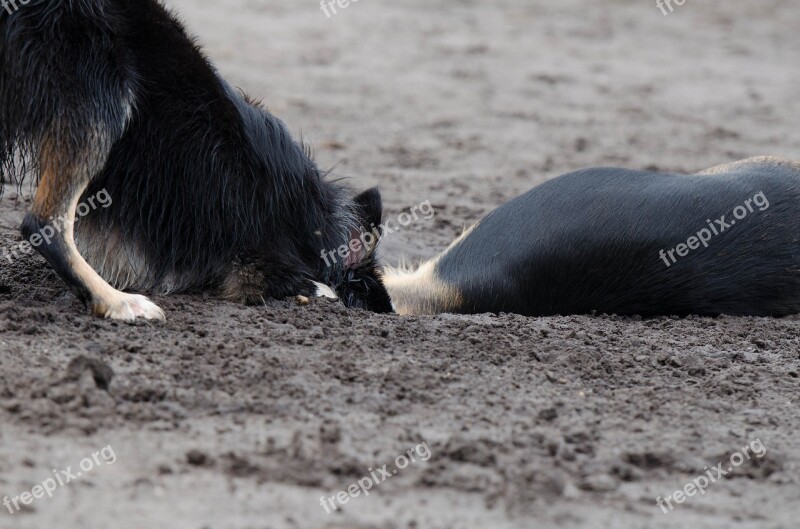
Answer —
362 285
369 210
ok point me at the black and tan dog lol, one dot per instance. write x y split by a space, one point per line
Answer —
209 190
613 241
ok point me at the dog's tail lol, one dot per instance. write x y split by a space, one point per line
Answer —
57 93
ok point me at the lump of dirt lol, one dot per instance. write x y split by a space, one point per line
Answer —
101 372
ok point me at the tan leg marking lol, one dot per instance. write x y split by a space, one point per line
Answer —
56 200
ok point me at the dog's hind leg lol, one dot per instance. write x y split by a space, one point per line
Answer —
67 93
49 226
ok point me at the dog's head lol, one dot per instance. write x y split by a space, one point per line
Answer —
361 284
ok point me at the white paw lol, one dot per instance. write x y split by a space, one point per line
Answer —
129 307
324 291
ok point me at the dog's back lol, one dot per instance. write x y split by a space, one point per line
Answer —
627 242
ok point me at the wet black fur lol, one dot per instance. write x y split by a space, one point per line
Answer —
202 178
589 242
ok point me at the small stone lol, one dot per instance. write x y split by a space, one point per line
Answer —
550 414
197 458
600 483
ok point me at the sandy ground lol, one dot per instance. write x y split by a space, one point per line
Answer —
237 417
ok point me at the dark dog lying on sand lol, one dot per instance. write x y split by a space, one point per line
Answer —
614 241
